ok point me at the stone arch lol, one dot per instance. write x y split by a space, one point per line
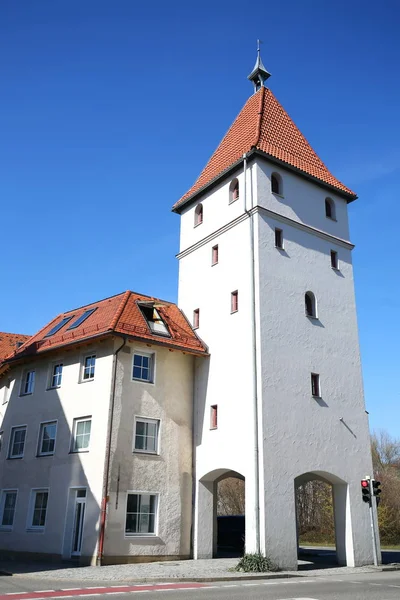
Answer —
341 512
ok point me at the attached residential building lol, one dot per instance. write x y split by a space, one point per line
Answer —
99 420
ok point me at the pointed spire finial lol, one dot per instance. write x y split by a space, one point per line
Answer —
259 74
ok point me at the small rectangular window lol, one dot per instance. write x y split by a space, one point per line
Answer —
56 375
234 301
214 417
214 258
6 391
28 383
146 435
315 387
8 504
17 442
89 367
47 438
38 510
279 238
196 318
334 260
81 434
141 513
143 367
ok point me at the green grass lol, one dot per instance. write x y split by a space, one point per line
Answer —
330 545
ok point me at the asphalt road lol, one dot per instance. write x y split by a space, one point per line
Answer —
365 586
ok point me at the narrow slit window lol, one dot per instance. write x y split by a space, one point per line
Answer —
276 184
234 191
214 417
334 260
196 318
279 238
198 215
330 211
310 305
234 301
214 255
315 387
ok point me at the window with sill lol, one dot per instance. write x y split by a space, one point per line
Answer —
278 238
214 255
89 365
38 509
81 434
276 184
17 442
315 387
143 367
47 438
56 375
310 305
141 514
234 191
28 383
146 435
334 260
198 215
8 505
330 209
234 301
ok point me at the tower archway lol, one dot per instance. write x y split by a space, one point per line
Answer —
323 516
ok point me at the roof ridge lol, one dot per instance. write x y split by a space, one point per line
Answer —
121 307
260 116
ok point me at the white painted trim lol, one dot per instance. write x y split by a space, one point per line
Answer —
39 454
152 356
150 452
2 503
75 421
29 526
157 511
13 428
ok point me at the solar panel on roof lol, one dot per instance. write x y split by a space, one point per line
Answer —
57 327
82 318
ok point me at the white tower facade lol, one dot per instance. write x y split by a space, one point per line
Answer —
265 272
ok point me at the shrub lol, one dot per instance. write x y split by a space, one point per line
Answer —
255 563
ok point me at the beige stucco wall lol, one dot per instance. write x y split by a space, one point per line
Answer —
168 474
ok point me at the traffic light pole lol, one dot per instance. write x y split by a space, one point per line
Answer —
373 528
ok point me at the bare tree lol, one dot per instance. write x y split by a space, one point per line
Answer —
231 497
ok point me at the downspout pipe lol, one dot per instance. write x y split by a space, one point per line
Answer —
104 500
254 358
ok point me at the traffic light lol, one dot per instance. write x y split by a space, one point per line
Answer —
365 490
376 490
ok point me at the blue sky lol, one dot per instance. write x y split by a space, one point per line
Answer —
110 109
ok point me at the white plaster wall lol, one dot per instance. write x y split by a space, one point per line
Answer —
170 399
300 433
301 200
63 470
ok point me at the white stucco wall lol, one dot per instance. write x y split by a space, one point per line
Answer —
63 470
297 433
168 474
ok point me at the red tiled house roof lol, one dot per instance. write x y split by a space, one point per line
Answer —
119 314
263 125
9 341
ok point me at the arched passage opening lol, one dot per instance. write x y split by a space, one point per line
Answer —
220 515
324 536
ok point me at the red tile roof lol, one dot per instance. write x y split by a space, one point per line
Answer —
118 314
264 125
9 341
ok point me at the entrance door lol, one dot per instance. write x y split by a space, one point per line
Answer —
77 533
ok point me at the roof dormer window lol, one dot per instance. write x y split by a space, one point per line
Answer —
154 320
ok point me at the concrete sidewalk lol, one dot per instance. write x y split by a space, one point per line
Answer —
185 570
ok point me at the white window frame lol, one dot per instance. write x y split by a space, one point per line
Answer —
32 502
74 427
141 419
11 442
51 374
24 381
40 440
152 366
86 356
2 506
157 512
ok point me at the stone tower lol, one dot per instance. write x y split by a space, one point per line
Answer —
265 273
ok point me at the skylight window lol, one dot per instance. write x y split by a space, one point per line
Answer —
154 320
57 327
82 318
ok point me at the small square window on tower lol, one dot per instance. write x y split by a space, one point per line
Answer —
196 318
334 260
278 238
214 417
315 387
234 301
214 255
